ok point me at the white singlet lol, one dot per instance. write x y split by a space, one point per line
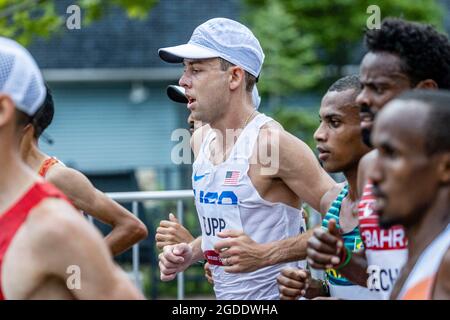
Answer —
226 199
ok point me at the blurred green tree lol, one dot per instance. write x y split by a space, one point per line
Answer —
301 37
24 20
307 43
299 122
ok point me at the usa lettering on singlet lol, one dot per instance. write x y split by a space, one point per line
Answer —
386 249
226 199
421 281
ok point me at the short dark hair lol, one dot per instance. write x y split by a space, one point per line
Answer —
44 116
22 119
346 83
436 131
424 51
249 79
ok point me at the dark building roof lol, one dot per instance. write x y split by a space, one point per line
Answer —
118 42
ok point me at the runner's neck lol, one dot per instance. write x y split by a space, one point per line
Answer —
35 157
436 219
15 179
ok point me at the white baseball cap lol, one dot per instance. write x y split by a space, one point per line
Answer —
177 94
20 77
220 37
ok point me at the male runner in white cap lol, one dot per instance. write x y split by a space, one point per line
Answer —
245 195
47 249
171 231
126 228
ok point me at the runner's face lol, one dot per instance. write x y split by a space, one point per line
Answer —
206 88
338 136
382 80
405 178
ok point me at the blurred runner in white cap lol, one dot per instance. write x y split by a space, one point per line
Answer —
47 249
126 228
247 204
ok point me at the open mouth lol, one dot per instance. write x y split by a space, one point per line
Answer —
191 101
323 153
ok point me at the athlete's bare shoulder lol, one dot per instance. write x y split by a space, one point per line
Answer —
58 232
442 288
364 167
29 260
290 159
273 124
273 134
66 178
61 238
52 219
329 197
268 148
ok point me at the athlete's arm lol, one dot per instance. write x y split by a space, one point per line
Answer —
177 258
296 283
299 168
126 228
356 269
197 252
329 197
325 251
246 255
442 287
65 244
294 248
171 232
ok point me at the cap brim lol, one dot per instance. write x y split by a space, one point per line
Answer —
176 93
185 51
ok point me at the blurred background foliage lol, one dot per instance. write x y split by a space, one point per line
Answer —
24 20
307 43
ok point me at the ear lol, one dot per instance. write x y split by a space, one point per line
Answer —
444 168
427 84
7 109
237 77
